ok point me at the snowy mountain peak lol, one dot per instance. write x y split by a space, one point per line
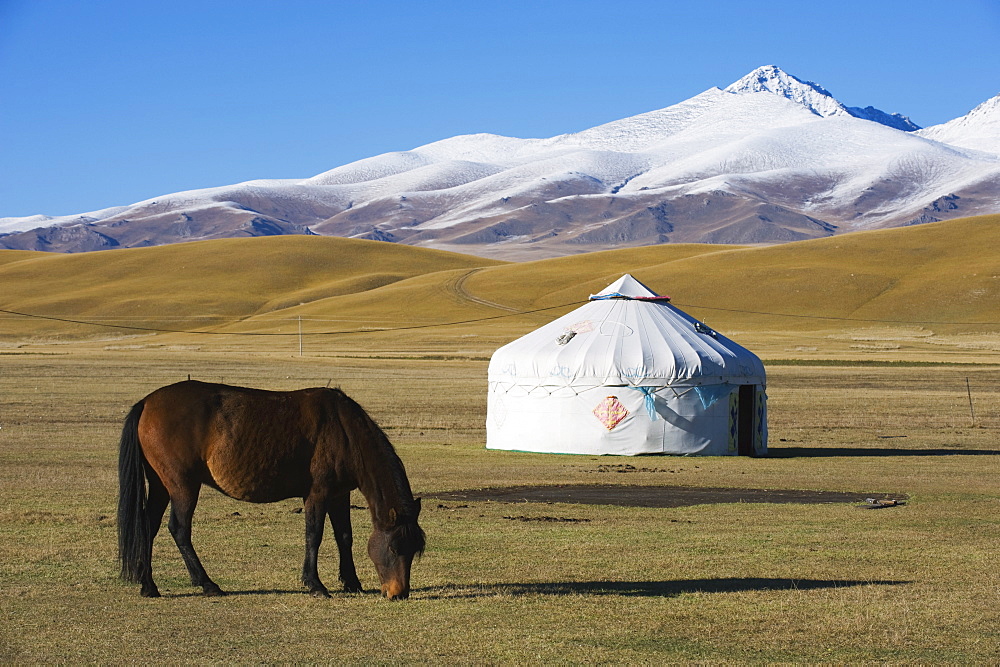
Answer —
986 113
990 106
979 129
772 79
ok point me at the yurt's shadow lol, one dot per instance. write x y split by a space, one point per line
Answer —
642 588
819 452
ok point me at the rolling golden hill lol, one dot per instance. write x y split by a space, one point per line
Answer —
929 287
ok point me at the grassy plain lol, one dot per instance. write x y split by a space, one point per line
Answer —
855 405
736 582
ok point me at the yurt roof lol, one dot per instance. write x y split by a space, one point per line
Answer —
626 335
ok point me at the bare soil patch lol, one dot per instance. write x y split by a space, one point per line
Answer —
653 496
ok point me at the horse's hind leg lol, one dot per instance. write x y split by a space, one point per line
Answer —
315 511
156 504
340 520
181 512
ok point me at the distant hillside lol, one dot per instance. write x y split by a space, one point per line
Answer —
947 271
214 281
944 272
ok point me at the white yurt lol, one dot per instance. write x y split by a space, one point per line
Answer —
627 373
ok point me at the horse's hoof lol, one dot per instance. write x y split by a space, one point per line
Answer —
320 593
150 593
353 588
213 591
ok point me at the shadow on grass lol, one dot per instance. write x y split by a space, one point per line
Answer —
642 588
656 589
807 452
196 593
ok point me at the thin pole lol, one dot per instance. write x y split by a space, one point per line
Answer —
972 410
300 335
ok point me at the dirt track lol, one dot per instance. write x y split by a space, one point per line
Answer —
457 287
652 496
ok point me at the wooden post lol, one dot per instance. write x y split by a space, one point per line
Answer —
972 410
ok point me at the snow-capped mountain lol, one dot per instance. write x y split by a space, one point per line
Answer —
771 79
769 159
977 130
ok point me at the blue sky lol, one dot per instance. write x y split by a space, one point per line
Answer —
108 102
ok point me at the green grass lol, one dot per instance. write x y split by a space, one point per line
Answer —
709 583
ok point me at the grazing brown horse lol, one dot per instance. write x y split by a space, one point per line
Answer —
263 446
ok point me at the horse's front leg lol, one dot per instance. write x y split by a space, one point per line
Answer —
340 521
315 511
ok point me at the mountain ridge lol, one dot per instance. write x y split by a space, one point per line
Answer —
769 159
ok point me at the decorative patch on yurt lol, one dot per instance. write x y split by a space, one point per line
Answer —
610 412
583 326
499 411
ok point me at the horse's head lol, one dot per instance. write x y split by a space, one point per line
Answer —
393 548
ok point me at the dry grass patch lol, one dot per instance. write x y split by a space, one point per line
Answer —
912 292
739 582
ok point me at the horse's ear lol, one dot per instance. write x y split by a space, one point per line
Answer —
392 516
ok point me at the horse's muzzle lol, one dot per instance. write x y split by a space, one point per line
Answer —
395 592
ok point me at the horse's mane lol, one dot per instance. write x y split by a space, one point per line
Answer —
407 539
373 464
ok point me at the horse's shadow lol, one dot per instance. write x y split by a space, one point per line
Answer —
640 588
170 593
651 589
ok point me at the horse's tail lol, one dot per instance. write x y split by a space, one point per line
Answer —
133 525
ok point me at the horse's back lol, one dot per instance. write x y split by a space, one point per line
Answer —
251 444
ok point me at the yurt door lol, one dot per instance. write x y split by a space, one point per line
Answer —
746 427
